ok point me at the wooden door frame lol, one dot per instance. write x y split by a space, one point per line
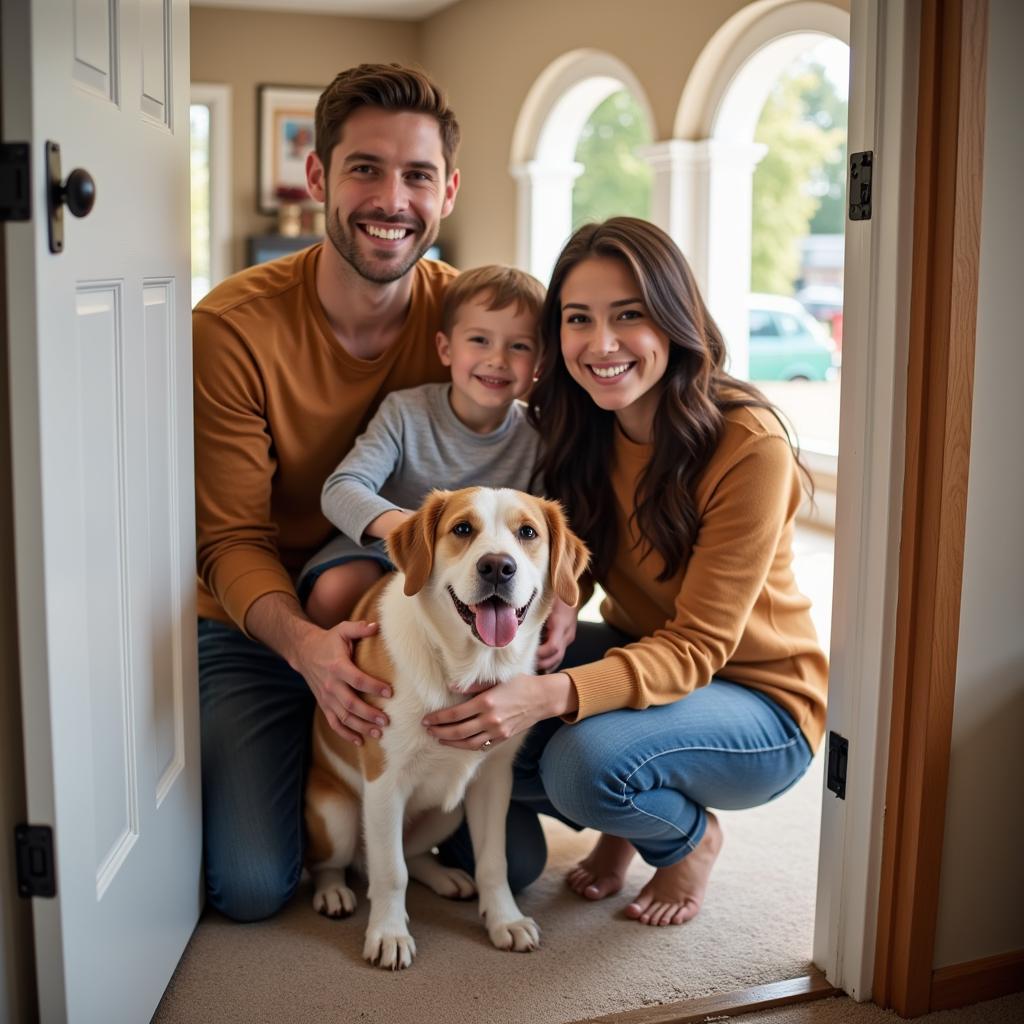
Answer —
940 381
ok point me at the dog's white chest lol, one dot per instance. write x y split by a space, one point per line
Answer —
436 776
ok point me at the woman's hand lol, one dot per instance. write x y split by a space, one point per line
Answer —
559 632
503 711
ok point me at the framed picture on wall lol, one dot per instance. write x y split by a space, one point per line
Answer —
284 138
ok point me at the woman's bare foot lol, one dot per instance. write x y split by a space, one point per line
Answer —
675 893
603 871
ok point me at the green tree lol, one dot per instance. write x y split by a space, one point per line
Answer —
790 181
830 111
615 180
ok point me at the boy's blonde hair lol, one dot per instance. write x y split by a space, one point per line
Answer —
505 286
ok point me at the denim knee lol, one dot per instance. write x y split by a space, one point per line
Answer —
581 781
527 847
252 891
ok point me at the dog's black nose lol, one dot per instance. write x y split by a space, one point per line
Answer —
496 568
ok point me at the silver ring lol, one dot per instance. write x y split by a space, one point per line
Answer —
486 745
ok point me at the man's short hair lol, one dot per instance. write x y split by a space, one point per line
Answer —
387 87
504 286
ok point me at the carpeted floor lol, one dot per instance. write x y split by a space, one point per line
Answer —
755 927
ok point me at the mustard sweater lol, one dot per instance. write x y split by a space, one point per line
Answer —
733 610
278 402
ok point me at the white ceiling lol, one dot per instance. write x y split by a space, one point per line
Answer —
400 10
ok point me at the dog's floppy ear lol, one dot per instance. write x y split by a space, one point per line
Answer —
568 554
411 545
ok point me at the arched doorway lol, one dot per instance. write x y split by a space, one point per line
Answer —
543 158
703 176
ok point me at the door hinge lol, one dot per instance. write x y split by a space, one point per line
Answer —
34 856
859 186
838 755
15 183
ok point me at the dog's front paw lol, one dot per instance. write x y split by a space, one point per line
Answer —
520 936
336 900
391 951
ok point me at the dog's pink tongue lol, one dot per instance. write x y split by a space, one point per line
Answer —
495 622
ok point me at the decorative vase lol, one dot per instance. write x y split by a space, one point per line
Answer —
289 220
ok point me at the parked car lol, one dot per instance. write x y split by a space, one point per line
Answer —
825 303
822 301
787 343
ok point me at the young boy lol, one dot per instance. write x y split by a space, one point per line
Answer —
471 431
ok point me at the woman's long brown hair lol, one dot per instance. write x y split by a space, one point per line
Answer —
696 392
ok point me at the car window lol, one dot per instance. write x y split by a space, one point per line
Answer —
762 325
789 325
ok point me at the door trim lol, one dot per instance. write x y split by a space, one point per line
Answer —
869 488
805 989
944 293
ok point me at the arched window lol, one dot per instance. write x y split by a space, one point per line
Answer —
544 147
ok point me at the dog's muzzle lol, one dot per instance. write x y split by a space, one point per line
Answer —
494 621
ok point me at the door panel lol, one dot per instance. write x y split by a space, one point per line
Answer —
104 523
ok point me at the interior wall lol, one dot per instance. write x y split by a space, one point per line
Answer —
244 49
486 53
487 84
982 886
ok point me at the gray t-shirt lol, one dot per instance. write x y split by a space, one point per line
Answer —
415 443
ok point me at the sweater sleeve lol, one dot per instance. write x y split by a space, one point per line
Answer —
350 497
236 540
736 542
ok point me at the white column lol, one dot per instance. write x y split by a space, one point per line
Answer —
545 212
702 196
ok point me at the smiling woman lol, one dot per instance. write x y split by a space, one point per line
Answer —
705 685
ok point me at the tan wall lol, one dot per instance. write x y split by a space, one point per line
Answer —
488 54
982 885
244 49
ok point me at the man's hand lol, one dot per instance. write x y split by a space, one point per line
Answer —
559 632
323 657
326 664
503 711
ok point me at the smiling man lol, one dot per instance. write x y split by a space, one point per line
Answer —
292 358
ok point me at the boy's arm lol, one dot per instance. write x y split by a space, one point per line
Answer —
350 498
384 524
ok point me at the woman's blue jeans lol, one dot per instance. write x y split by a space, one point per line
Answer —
650 775
645 775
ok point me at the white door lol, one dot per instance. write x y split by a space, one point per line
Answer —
101 406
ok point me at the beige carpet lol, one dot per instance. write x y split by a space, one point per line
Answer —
755 927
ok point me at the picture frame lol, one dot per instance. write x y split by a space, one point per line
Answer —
285 135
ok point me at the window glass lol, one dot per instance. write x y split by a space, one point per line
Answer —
789 325
762 325
199 129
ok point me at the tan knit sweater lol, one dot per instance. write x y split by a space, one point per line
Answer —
278 402
733 610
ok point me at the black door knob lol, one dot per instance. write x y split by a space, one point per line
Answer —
78 193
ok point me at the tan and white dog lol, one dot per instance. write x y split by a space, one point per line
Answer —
478 570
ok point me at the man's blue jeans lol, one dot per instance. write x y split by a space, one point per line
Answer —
645 775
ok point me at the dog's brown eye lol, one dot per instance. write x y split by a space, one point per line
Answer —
527 532
462 529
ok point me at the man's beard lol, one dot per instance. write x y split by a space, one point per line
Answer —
346 244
